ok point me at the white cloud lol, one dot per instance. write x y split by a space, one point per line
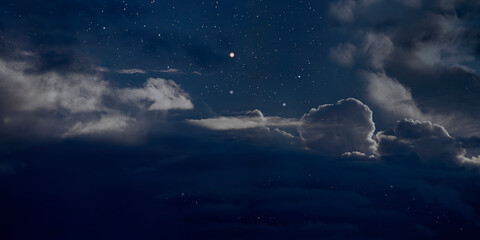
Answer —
131 71
252 119
6 169
346 126
160 94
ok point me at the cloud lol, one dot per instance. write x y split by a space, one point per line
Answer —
335 129
377 48
393 98
170 70
429 144
390 95
252 119
79 103
417 63
343 10
346 129
343 54
254 127
74 92
131 71
141 71
440 43
160 94
222 190
106 123
346 126
6 169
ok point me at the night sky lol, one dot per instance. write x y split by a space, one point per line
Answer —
255 119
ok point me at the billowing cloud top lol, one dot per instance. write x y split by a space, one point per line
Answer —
346 126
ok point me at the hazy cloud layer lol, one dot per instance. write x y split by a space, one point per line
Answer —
213 189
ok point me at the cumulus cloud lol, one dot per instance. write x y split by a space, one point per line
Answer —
342 128
346 126
422 142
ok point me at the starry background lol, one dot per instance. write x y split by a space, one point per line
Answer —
280 48
131 120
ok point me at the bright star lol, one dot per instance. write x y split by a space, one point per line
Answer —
232 55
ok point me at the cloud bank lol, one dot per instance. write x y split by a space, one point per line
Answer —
346 129
78 103
414 57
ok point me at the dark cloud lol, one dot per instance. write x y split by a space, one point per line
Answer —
240 192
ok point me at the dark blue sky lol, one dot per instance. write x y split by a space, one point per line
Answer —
342 119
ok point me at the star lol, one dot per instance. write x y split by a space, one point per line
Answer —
232 54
